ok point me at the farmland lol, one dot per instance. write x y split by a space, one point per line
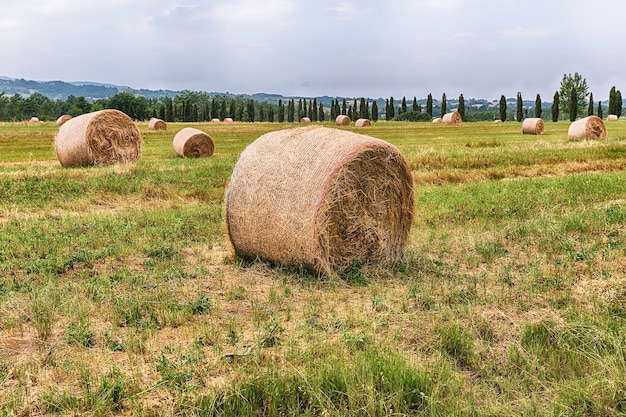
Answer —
119 292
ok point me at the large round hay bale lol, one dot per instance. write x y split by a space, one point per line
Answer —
156 124
452 119
342 120
305 120
321 198
63 119
590 127
101 137
612 117
215 120
532 126
228 120
190 142
363 123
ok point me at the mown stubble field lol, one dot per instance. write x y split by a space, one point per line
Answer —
119 293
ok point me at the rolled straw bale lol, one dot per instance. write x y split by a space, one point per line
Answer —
532 126
612 117
363 123
190 142
156 124
497 121
590 127
63 119
342 120
101 137
34 119
452 119
305 120
228 120
320 197
437 120
215 120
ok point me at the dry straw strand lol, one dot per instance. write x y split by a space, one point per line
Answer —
532 126
156 124
452 119
590 127
190 142
363 123
63 119
320 197
342 120
101 137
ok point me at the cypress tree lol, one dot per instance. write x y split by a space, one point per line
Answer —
403 108
461 109
519 115
503 108
343 107
270 114
600 115
429 104
555 107
444 104
364 109
374 111
618 103
291 108
573 105
590 109
281 111
320 113
538 106
612 100
414 107
392 109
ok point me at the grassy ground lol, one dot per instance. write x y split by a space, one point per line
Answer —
119 294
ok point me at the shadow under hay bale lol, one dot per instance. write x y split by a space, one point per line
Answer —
320 197
590 127
190 142
156 124
532 126
452 119
62 119
363 123
342 120
101 137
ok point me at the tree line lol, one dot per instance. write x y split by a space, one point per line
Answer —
572 100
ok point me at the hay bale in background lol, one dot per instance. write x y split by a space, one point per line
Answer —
612 117
215 120
305 120
363 123
63 119
342 120
532 126
34 120
193 143
156 124
452 119
591 127
101 137
320 197
228 120
437 120
497 121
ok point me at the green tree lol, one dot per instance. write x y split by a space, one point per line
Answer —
590 109
612 100
364 109
503 108
600 112
429 104
314 112
538 106
444 104
374 111
320 114
343 107
415 107
555 107
519 113
291 109
573 104
391 110
568 83
403 108
461 109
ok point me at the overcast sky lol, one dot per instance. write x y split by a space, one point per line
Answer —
366 48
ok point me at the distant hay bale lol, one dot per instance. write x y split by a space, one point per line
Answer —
338 198
63 119
612 117
532 126
497 121
228 120
34 120
305 120
156 124
363 123
342 120
193 143
101 137
452 119
591 127
437 120
215 120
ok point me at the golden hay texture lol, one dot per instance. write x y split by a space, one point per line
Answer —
34 119
156 124
63 119
591 127
363 123
305 120
215 120
342 120
190 142
612 117
532 126
452 119
321 198
101 137
437 120
228 120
